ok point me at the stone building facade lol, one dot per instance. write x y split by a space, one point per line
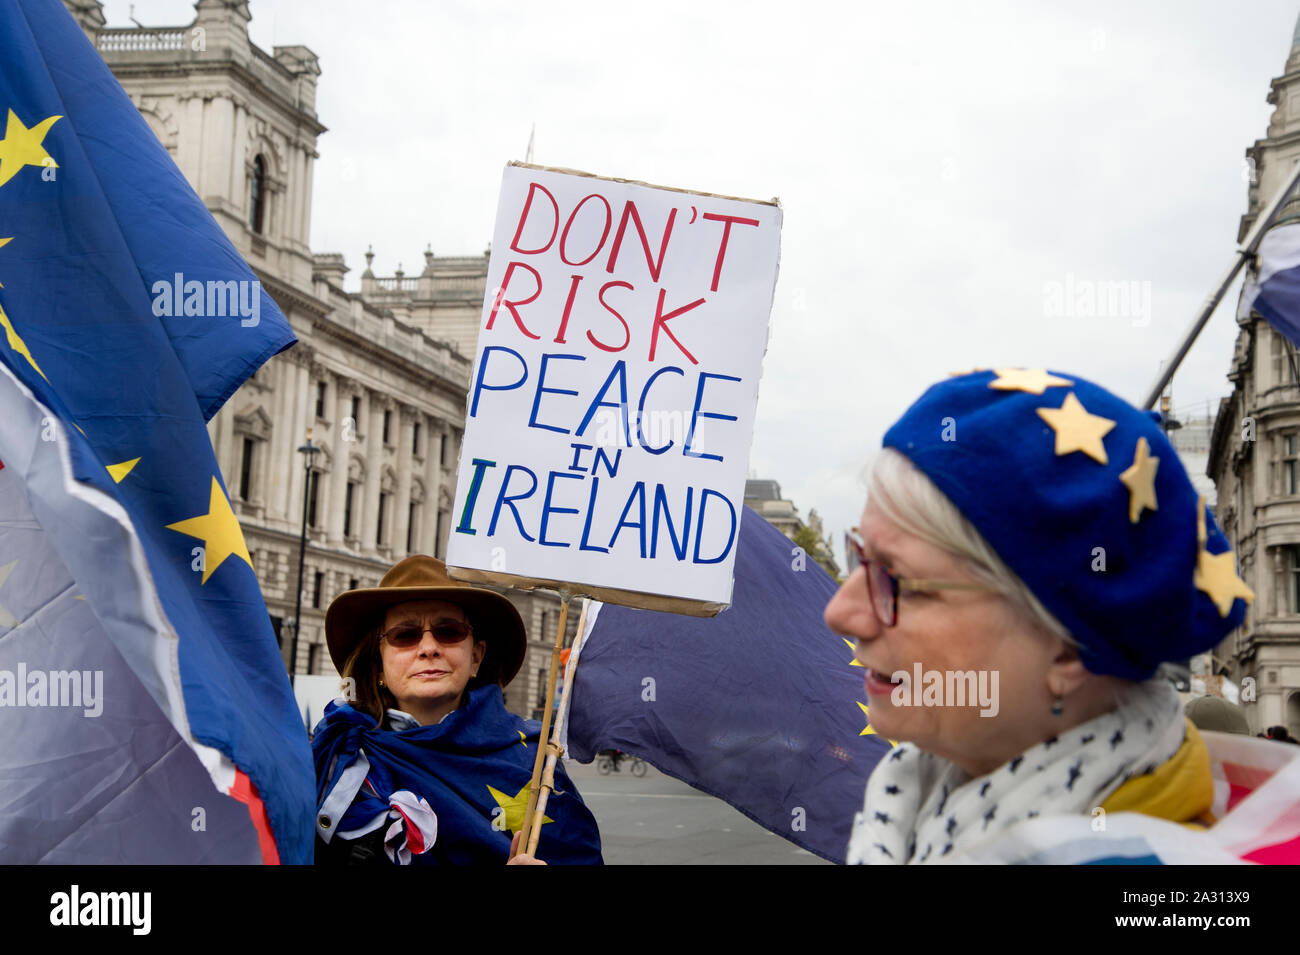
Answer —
763 496
1254 458
378 379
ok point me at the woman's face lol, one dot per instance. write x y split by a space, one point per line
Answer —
945 632
428 677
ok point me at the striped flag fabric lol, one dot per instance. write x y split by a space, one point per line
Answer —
1256 820
144 706
1272 283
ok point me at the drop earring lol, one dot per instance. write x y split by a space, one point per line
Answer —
1058 707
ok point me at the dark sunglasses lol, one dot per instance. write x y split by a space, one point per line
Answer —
407 635
883 587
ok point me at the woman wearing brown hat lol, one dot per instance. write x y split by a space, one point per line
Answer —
423 763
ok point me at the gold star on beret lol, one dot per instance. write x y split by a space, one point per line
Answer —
1216 574
1140 479
1076 430
1032 380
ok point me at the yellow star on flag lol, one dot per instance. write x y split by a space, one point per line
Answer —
219 531
515 807
121 470
1216 574
22 146
523 740
868 731
15 341
854 662
1076 430
1032 380
1140 479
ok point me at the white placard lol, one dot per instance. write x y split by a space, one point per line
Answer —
611 406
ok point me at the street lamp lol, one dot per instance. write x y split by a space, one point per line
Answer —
308 451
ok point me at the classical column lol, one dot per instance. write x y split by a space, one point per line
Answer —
374 470
230 455
342 441
301 422
432 485
278 461
402 505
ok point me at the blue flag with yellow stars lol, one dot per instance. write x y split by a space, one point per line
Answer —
762 706
452 793
128 319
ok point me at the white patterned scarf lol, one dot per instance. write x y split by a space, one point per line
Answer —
920 808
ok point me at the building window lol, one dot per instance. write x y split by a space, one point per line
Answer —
257 196
415 439
439 537
318 587
313 484
246 471
379 524
313 658
410 526
388 420
356 414
320 399
1290 464
1283 354
1293 574
347 509
353 583
442 451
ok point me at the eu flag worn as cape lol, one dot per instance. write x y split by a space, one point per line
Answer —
472 770
761 706
138 669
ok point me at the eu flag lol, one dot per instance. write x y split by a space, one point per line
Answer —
469 773
761 706
121 560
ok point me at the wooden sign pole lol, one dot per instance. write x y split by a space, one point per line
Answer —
553 749
533 785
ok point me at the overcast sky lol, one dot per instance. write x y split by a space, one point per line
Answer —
940 165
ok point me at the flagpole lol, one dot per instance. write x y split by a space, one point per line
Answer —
533 783
1245 251
553 749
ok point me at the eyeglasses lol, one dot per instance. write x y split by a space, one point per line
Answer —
407 635
883 587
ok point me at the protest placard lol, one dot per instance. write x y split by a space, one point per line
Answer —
611 404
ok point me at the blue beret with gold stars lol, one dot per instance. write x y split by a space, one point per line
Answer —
1082 495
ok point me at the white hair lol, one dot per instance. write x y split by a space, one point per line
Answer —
908 498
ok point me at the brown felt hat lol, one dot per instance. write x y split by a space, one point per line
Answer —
495 620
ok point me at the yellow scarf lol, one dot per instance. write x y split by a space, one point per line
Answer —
1181 790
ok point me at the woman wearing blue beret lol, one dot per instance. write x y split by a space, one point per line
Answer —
1032 551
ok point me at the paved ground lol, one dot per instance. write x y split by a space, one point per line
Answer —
657 820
